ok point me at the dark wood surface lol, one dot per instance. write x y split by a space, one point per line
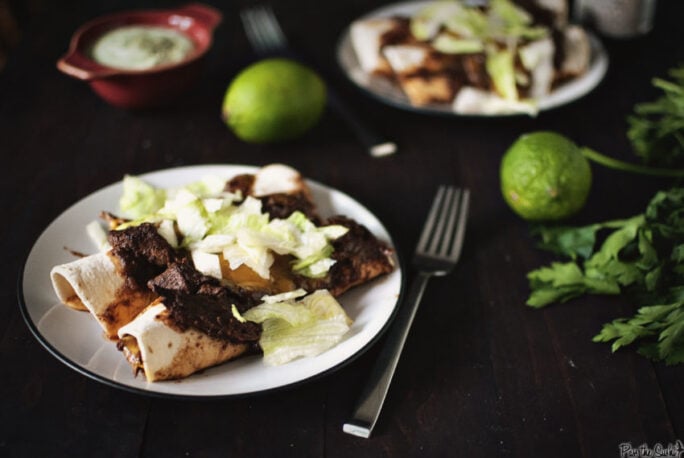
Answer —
481 374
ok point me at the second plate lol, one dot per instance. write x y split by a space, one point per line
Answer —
389 93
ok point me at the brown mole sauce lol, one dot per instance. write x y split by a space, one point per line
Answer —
211 315
242 183
359 256
399 34
204 303
195 300
150 264
141 253
470 69
278 205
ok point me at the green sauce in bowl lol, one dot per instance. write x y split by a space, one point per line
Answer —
141 47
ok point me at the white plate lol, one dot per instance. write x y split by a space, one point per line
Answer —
77 340
388 92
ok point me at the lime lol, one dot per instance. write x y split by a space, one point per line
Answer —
273 100
544 177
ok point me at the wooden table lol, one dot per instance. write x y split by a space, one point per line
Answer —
481 374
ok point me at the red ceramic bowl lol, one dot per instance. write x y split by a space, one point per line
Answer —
142 88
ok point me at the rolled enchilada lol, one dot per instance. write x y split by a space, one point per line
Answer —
161 351
173 315
94 284
193 325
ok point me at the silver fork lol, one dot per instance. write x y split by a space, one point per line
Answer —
437 253
267 38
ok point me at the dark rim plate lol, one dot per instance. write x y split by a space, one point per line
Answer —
390 94
76 339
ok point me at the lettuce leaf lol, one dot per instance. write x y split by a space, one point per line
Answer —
502 71
299 329
140 199
507 20
213 221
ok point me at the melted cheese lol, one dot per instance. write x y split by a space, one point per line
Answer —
280 280
131 350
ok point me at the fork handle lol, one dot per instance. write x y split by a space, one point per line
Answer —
375 145
370 403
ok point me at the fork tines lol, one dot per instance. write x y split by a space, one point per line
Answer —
268 40
441 236
262 29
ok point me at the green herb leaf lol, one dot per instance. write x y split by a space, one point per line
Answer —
568 241
656 130
564 281
660 326
574 241
642 257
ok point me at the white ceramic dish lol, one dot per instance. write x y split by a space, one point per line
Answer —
388 92
77 340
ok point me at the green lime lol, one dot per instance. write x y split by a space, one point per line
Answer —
544 177
273 100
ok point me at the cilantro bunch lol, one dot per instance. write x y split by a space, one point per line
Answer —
641 257
656 129
656 132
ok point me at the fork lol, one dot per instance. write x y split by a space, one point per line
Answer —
437 253
267 38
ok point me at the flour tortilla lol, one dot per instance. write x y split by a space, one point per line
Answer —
94 284
168 353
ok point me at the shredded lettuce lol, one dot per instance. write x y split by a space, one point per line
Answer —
167 230
98 235
207 263
305 328
502 71
210 220
455 27
449 44
213 243
257 258
139 198
272 299
257 238
212 223
190 215
502 21
236 314
510 13
472 100
208 186
507 20
427 22
142 202
468 23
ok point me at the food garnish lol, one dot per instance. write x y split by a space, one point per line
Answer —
641 257
191 277
274 100
544 177
656 133
656 129
217 223
293 329
479 59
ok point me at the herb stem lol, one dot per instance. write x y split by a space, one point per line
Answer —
629 167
